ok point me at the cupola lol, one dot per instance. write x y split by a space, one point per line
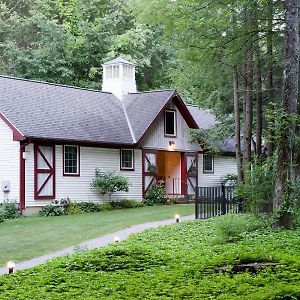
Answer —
119 77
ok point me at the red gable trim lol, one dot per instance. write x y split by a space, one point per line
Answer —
182 109
17 135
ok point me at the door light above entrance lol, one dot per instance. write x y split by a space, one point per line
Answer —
172 146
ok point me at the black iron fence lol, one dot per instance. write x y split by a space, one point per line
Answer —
214 201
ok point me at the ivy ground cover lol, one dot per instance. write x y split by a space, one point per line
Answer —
180 261
29 237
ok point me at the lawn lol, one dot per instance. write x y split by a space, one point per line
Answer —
179 261
29 237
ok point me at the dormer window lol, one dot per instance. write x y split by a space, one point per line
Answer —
112 72
170 123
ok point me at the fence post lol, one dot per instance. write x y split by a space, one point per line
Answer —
223 203
197 214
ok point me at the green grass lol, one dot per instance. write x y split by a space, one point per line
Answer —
29 237
171 262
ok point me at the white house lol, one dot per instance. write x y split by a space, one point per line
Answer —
53 137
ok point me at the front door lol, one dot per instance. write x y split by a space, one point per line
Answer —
44 172
173 176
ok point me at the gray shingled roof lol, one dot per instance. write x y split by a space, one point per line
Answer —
204 118
142 108
50 111
118 60
41 110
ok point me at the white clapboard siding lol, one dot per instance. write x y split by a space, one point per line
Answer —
155 138
9 163
223 165
78 188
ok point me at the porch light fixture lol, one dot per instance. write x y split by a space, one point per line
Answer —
116 239
172 145
10 267
177 218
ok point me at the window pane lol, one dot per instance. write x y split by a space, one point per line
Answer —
115 72
208 163
71 159
170 122
127 159
109 72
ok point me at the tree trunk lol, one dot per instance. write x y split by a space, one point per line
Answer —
289 104
269 83
259 101
237 125
248 106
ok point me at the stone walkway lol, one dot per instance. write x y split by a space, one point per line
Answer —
95 243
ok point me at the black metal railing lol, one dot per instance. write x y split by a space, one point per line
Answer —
214 201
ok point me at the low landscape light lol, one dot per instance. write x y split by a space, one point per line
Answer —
177 218
10 266
116 239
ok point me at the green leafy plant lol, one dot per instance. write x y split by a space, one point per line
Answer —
89 207
232 228
258 189
125 204
72 208
151 168
155 195
51 210
9 210
108 183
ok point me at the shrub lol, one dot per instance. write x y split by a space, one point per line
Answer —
106 206
9 210
51 210
125 204
232 227
72 208
108 183
258 189
89 207
155 196
1 216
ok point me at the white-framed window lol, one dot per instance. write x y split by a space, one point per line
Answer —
127 159
170 122
127 72
208 163
71 160
112 72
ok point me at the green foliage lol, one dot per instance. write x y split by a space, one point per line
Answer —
258 189
110 182
155 195
231 229
52 210
9 210
67 41
89 207
170 262
125 204
67 207
72 208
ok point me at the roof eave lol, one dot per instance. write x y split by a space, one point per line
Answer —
58 141
17 135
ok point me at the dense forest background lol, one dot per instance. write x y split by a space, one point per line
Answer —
238 58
